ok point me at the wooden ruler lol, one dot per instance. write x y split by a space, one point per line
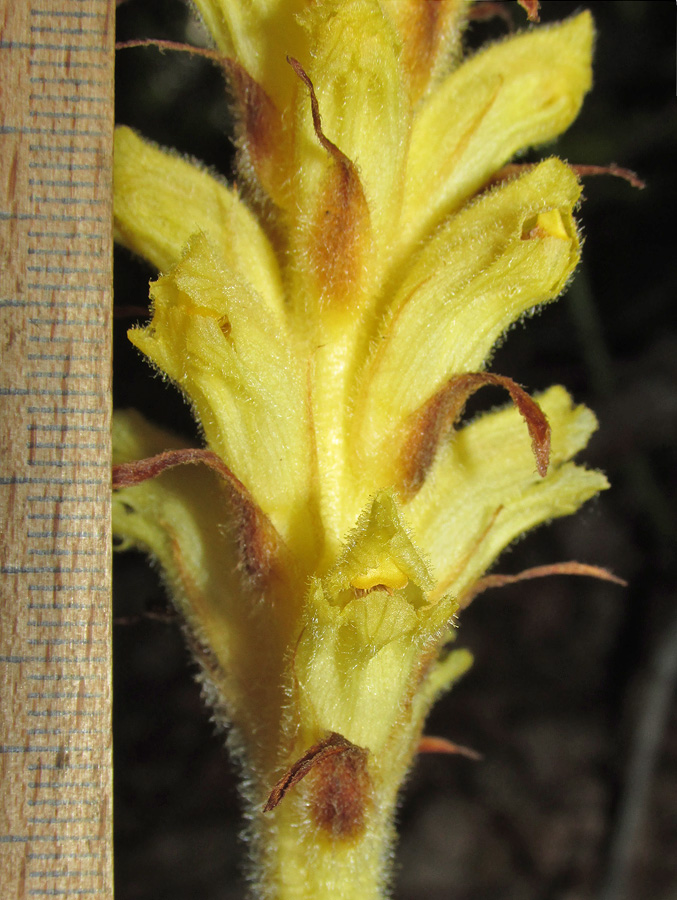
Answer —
56 68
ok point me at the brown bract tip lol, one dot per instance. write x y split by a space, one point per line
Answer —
259 128
140 470
430 744
487 10
259 541
431 422
328 145
340 230
563 568
341 788
531 7
513 170
612 169
214 55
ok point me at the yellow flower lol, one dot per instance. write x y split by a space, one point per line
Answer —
327 333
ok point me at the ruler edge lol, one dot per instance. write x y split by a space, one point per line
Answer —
104 181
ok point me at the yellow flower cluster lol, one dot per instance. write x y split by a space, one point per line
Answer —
327 331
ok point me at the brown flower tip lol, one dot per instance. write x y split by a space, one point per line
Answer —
259 542
430 423
341 788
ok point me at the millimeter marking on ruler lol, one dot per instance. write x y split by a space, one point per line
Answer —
56 69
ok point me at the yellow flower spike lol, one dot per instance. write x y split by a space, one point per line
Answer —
321 544
523 91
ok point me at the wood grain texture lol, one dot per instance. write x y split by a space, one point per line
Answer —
56 67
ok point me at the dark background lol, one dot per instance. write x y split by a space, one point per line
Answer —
571 699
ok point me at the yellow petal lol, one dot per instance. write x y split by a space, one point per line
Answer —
162 200
488 265
215 338
352 667
368 621
521 92
483 490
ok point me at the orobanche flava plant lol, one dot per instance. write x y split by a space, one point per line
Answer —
327 318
